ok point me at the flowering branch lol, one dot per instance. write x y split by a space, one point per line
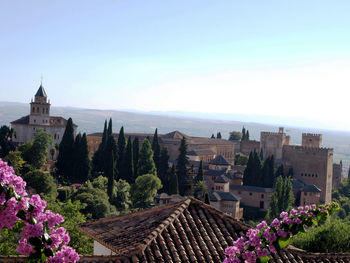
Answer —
259 243
41 238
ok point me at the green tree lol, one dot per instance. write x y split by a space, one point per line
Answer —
127 166
42 182
282 197
181 167
218 135
235 136
247 135
156 150
244 136
35 153
206 198
146 164
98 158
8 242
121 148
331 237
164 169
6 144
65 157
72 218
252 173
101 183
96 200
261 155
122 199
144 190
212 136
110 166
136 150
279 171
268 176
241 159
199 176
200 189
173 182
15 160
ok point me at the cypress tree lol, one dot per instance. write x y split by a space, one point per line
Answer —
199 176
243 134
279 171
156 150
247 135
218 135
252 173
82 162
76 158
206 198
290 172
212 136
121 148
164 169
146 164
65 154
110 128
98 158
181 167
109 168
282 197
261 155
136 150
268 175
127 167
173 182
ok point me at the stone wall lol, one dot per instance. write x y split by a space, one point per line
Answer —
312 166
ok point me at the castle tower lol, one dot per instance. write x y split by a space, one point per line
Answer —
40 108
311 140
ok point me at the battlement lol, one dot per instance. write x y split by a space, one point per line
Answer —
311 140
312 134
270 133
309 149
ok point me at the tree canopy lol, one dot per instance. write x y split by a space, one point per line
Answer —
144 190
235 136
146 163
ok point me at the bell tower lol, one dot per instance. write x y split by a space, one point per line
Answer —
40 108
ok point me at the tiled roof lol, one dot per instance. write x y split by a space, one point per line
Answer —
55 121
41 92
305 187
311 188
23 120
197 152
186 231
221 179
175 135
225 196
219 160
251 188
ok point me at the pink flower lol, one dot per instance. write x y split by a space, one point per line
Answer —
283 214
275 223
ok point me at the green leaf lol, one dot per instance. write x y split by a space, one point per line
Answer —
283 241
264 259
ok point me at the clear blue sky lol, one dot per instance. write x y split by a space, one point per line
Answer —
284 58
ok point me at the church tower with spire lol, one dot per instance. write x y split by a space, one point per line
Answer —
39 118
40 108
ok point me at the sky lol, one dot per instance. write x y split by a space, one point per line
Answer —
285 59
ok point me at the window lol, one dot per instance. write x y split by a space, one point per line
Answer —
262 195
302 174
305 194
34 120
250 194
47 110
261 204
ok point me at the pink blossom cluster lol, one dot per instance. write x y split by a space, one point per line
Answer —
38 227
265 239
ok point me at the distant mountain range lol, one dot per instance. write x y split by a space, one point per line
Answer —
194 124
